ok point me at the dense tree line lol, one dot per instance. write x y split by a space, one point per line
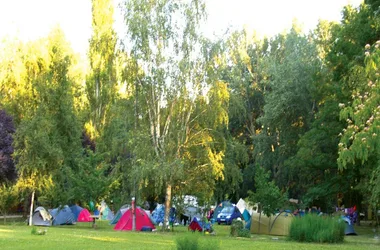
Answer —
165 112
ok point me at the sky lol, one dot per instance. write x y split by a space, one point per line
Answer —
32 19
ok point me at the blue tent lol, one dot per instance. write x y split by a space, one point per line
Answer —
349 229
248 224
246 215
158 214
62 216
76 211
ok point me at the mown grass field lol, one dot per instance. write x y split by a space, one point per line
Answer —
16 235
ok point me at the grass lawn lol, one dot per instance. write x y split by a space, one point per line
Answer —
16 235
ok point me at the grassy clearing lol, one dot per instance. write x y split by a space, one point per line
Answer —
16 235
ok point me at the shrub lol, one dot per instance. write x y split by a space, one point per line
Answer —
236 226
313 228
192 242
187 242
244 233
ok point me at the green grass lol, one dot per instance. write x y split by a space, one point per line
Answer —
16 235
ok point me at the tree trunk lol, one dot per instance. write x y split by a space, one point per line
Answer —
31 210
168 199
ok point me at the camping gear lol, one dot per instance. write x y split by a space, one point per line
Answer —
243 205
81 214
195 225
41 217
246 215
62 216
119 213
143 221
278 224
106 212
349 229
158 214
219 208
228 214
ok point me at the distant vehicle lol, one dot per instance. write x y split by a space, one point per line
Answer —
228 214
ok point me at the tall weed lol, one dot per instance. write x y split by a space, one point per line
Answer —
313 228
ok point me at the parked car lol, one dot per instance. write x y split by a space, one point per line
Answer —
228 214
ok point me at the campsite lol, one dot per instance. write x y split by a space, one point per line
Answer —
81 236
189 124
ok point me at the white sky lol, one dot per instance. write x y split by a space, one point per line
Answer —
31 19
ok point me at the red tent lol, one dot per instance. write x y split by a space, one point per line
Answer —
84 216
142 220
195 225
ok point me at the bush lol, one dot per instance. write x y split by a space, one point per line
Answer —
238 230
192 242
313 228
246 233
188 242
236 226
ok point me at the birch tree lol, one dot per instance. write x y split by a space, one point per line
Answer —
164 40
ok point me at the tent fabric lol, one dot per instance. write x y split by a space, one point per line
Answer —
349 229
105 211
41 217
119 213
76 211
62 216
195 225
246 215
248 225
242 205
274 225
142 220
84 216
219 208
158 214
81 214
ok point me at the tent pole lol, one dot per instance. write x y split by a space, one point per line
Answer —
133 214
31 209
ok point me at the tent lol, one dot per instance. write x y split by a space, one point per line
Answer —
81 214
62 216
158 214
195 225
246 215
274 225
106 212
219 208
349 229
119 213
242 205
143 222
41 217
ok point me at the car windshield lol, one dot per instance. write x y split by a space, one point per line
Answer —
228 210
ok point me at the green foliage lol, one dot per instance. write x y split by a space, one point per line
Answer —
314 228
101 82
237 229
194 242
267 194
188 242
38 231
8 198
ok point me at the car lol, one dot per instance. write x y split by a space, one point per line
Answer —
228 214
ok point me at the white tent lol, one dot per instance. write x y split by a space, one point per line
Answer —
242 205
